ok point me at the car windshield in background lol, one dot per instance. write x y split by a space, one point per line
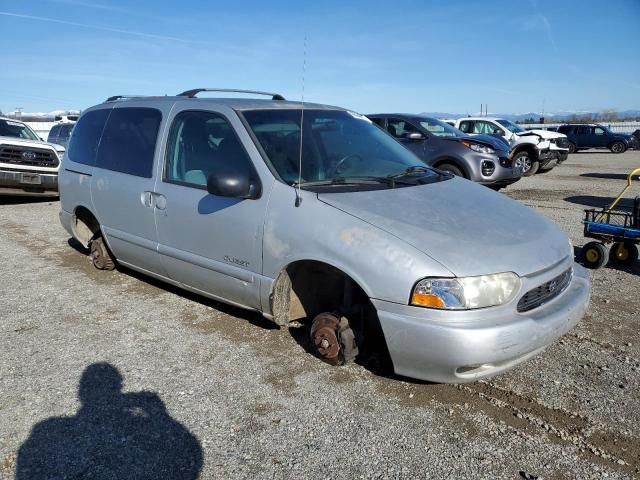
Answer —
16 130
338 147
440 129
509 125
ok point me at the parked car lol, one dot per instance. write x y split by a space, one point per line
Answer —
334 222
484 160
28 165
60 133
536 149
583 136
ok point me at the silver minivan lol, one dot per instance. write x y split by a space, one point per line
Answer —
312 213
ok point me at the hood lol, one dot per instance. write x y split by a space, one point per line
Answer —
545 133
23 142
468 228
497 143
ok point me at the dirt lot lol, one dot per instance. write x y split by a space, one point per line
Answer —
211 389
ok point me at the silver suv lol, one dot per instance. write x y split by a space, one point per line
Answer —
316 214
28 165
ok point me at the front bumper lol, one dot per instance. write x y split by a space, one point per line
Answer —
548 159
457 347
16 182
503 173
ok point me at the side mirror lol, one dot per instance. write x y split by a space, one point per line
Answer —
233 184
415 136
499 132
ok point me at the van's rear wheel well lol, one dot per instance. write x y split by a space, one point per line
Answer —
85 226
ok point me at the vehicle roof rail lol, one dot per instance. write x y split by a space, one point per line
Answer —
196 91
119 97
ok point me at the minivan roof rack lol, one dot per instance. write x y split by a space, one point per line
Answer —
118 97
196 91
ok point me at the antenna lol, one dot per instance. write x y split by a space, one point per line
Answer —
304 69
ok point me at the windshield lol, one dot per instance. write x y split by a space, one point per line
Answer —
509 125
439 128
336 145
17 130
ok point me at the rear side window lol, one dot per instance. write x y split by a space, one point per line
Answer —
564 129
129 141
84 144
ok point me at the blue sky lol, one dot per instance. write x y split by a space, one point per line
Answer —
410 56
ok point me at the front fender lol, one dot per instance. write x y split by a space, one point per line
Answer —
383 265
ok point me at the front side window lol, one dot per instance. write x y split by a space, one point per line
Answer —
599 131
129 140
400 128
466 126
202 143
83 147
65 131
336 145
9 128
483 127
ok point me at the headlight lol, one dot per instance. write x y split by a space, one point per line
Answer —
465 293
476 147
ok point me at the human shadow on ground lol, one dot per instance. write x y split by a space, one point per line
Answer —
114 435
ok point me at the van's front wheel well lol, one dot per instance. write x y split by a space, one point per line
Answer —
326 298
306 288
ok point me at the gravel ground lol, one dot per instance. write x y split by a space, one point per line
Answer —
112 375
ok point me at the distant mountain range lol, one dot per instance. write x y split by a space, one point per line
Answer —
549 116
516 117
40 116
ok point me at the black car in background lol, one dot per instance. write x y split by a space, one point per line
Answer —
480 158
583 136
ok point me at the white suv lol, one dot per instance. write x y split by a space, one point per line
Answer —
28 164
536 149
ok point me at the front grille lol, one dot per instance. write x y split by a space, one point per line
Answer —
545 292
34 157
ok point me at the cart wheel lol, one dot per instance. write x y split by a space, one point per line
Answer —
624 253
594 255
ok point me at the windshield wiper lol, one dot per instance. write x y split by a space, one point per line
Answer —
360 180
412 170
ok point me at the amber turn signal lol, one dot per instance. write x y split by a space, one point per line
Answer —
427 300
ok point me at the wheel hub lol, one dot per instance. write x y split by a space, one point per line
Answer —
325 338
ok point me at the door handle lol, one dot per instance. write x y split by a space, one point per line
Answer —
147 199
